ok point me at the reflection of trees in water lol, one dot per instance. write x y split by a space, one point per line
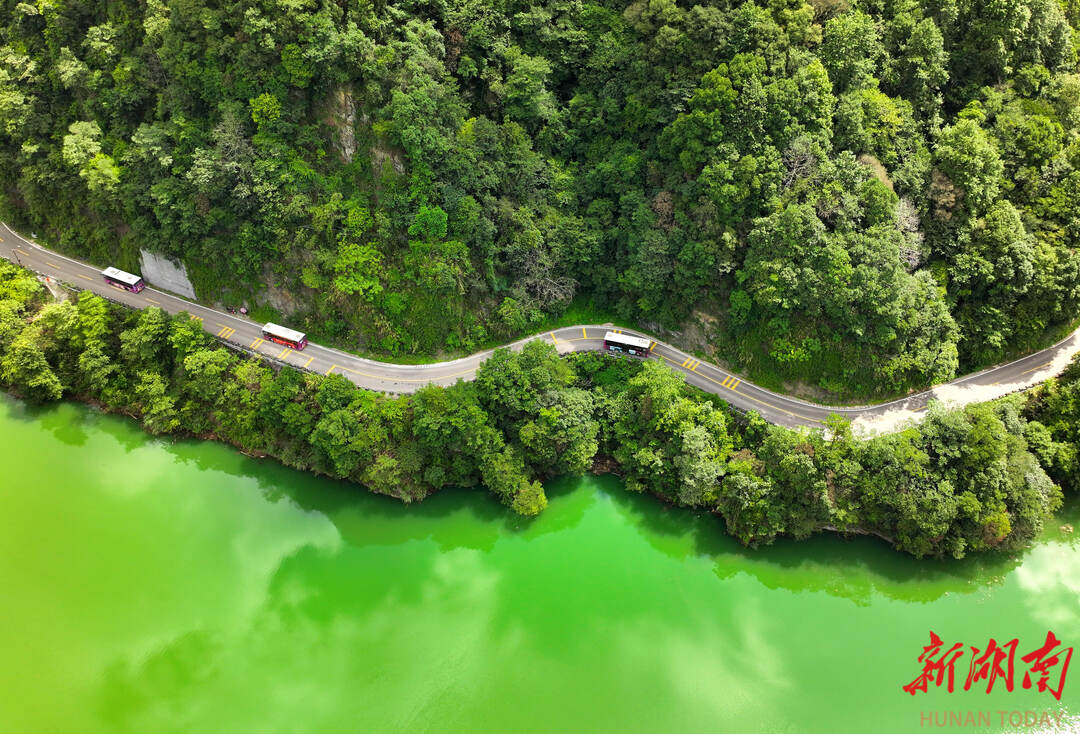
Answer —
65 421
854 568
858 568
849 567
440 558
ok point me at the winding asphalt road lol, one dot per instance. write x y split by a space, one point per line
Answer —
395 378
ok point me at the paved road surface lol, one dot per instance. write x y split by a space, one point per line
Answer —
394 378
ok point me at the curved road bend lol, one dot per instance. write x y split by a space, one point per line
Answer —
394 378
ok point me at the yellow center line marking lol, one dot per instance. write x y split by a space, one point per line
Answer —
583 334
774 407
22 250
85 277
1033 369
153 301
283 353
332 368
762 402
52 265
470 371
308 362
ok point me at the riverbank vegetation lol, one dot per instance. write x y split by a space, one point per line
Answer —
961 481
853 197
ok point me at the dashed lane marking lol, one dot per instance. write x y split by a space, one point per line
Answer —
750 397
86 277
690 363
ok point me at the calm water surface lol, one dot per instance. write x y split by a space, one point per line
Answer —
148 586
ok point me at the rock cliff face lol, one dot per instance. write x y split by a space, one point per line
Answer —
277 295
339 112
166 274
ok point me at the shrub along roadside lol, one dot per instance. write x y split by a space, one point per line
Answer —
964 480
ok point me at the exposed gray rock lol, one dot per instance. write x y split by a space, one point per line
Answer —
166 274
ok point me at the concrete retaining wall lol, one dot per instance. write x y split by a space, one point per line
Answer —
166 274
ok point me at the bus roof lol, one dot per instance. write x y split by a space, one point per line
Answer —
284 333
633 341
120 275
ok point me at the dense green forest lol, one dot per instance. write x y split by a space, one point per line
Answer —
961 481
862 195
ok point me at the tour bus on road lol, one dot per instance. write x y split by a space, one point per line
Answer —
120 279
287 337
626 344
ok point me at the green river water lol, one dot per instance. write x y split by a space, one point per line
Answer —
150 586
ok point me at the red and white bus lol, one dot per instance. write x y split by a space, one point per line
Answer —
635 346
288 337
119 279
